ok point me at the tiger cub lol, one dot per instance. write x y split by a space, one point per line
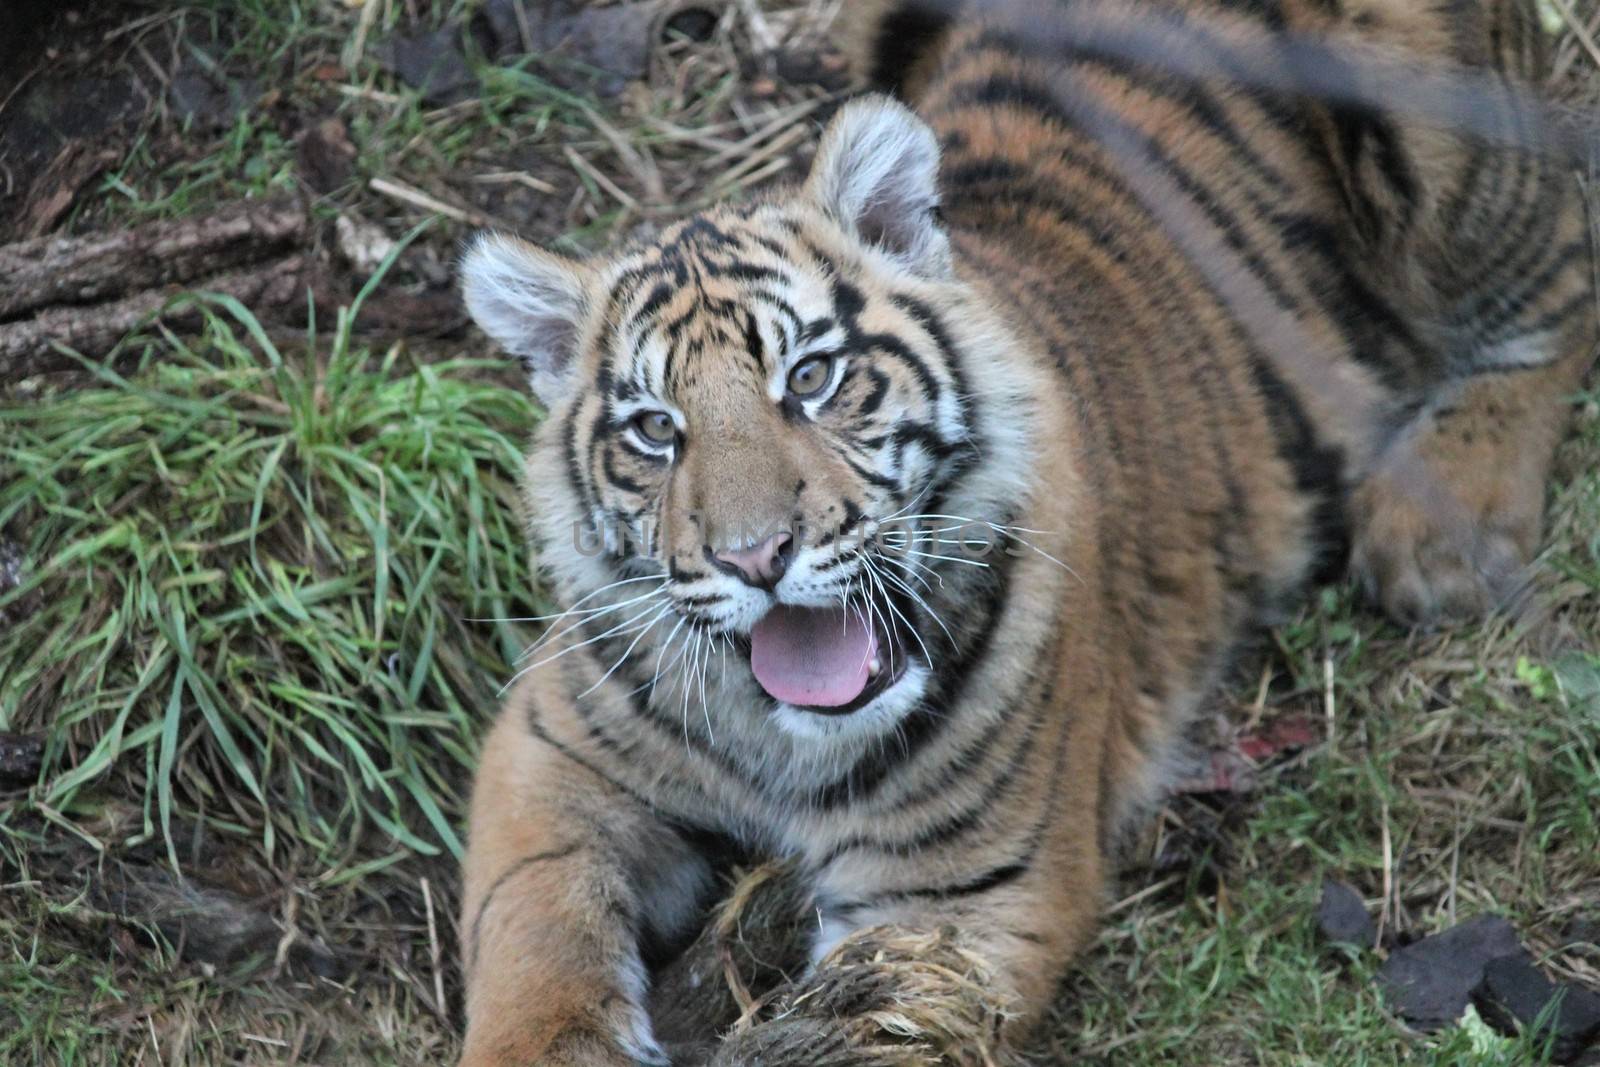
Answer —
904 519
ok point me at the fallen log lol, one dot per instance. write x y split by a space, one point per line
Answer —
48 272
272 291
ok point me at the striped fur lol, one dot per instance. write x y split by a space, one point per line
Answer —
1187 343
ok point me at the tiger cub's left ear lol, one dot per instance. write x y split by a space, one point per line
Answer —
877 173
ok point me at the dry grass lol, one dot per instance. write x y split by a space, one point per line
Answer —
1462 772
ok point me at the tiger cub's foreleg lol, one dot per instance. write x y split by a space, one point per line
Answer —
563 873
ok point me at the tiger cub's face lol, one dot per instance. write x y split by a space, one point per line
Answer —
742 406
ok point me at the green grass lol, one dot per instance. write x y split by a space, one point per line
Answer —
255 574
62 994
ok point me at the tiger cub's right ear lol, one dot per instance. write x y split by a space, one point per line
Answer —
531 302
877 173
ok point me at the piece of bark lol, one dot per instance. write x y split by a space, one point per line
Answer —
53 271
271 291
324 154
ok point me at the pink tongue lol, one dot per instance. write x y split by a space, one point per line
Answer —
816 657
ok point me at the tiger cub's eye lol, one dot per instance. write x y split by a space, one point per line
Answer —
810 375
656 426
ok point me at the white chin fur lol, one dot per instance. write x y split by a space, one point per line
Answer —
874 720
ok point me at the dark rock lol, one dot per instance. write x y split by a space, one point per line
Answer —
208 98
321 962
691 23
50 114
1342 917
21 756
27 24
826 70
611 43
614 39
1514 993
1582 930
432 63
53 194
499 27
1430 982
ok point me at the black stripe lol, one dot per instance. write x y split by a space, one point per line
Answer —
753 345
934 327
618 479
993 878
815 329
743 271
569 455
956 824
505 876
1584 299
652 304
1318 469
784 308
907 35
874 399
698 230
1501 305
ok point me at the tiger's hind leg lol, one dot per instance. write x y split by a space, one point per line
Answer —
1447 523
1486 250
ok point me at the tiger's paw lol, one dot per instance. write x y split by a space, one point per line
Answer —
1429 558
885 997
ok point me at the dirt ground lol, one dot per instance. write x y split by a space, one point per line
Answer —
1441 775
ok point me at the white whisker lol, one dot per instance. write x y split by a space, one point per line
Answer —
588 615
934 615
586 597
619 628
665 610
947 559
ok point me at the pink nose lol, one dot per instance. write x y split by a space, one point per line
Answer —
761 566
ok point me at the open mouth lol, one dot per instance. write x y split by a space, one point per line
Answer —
832 661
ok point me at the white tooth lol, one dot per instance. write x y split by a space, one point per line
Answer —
874 667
